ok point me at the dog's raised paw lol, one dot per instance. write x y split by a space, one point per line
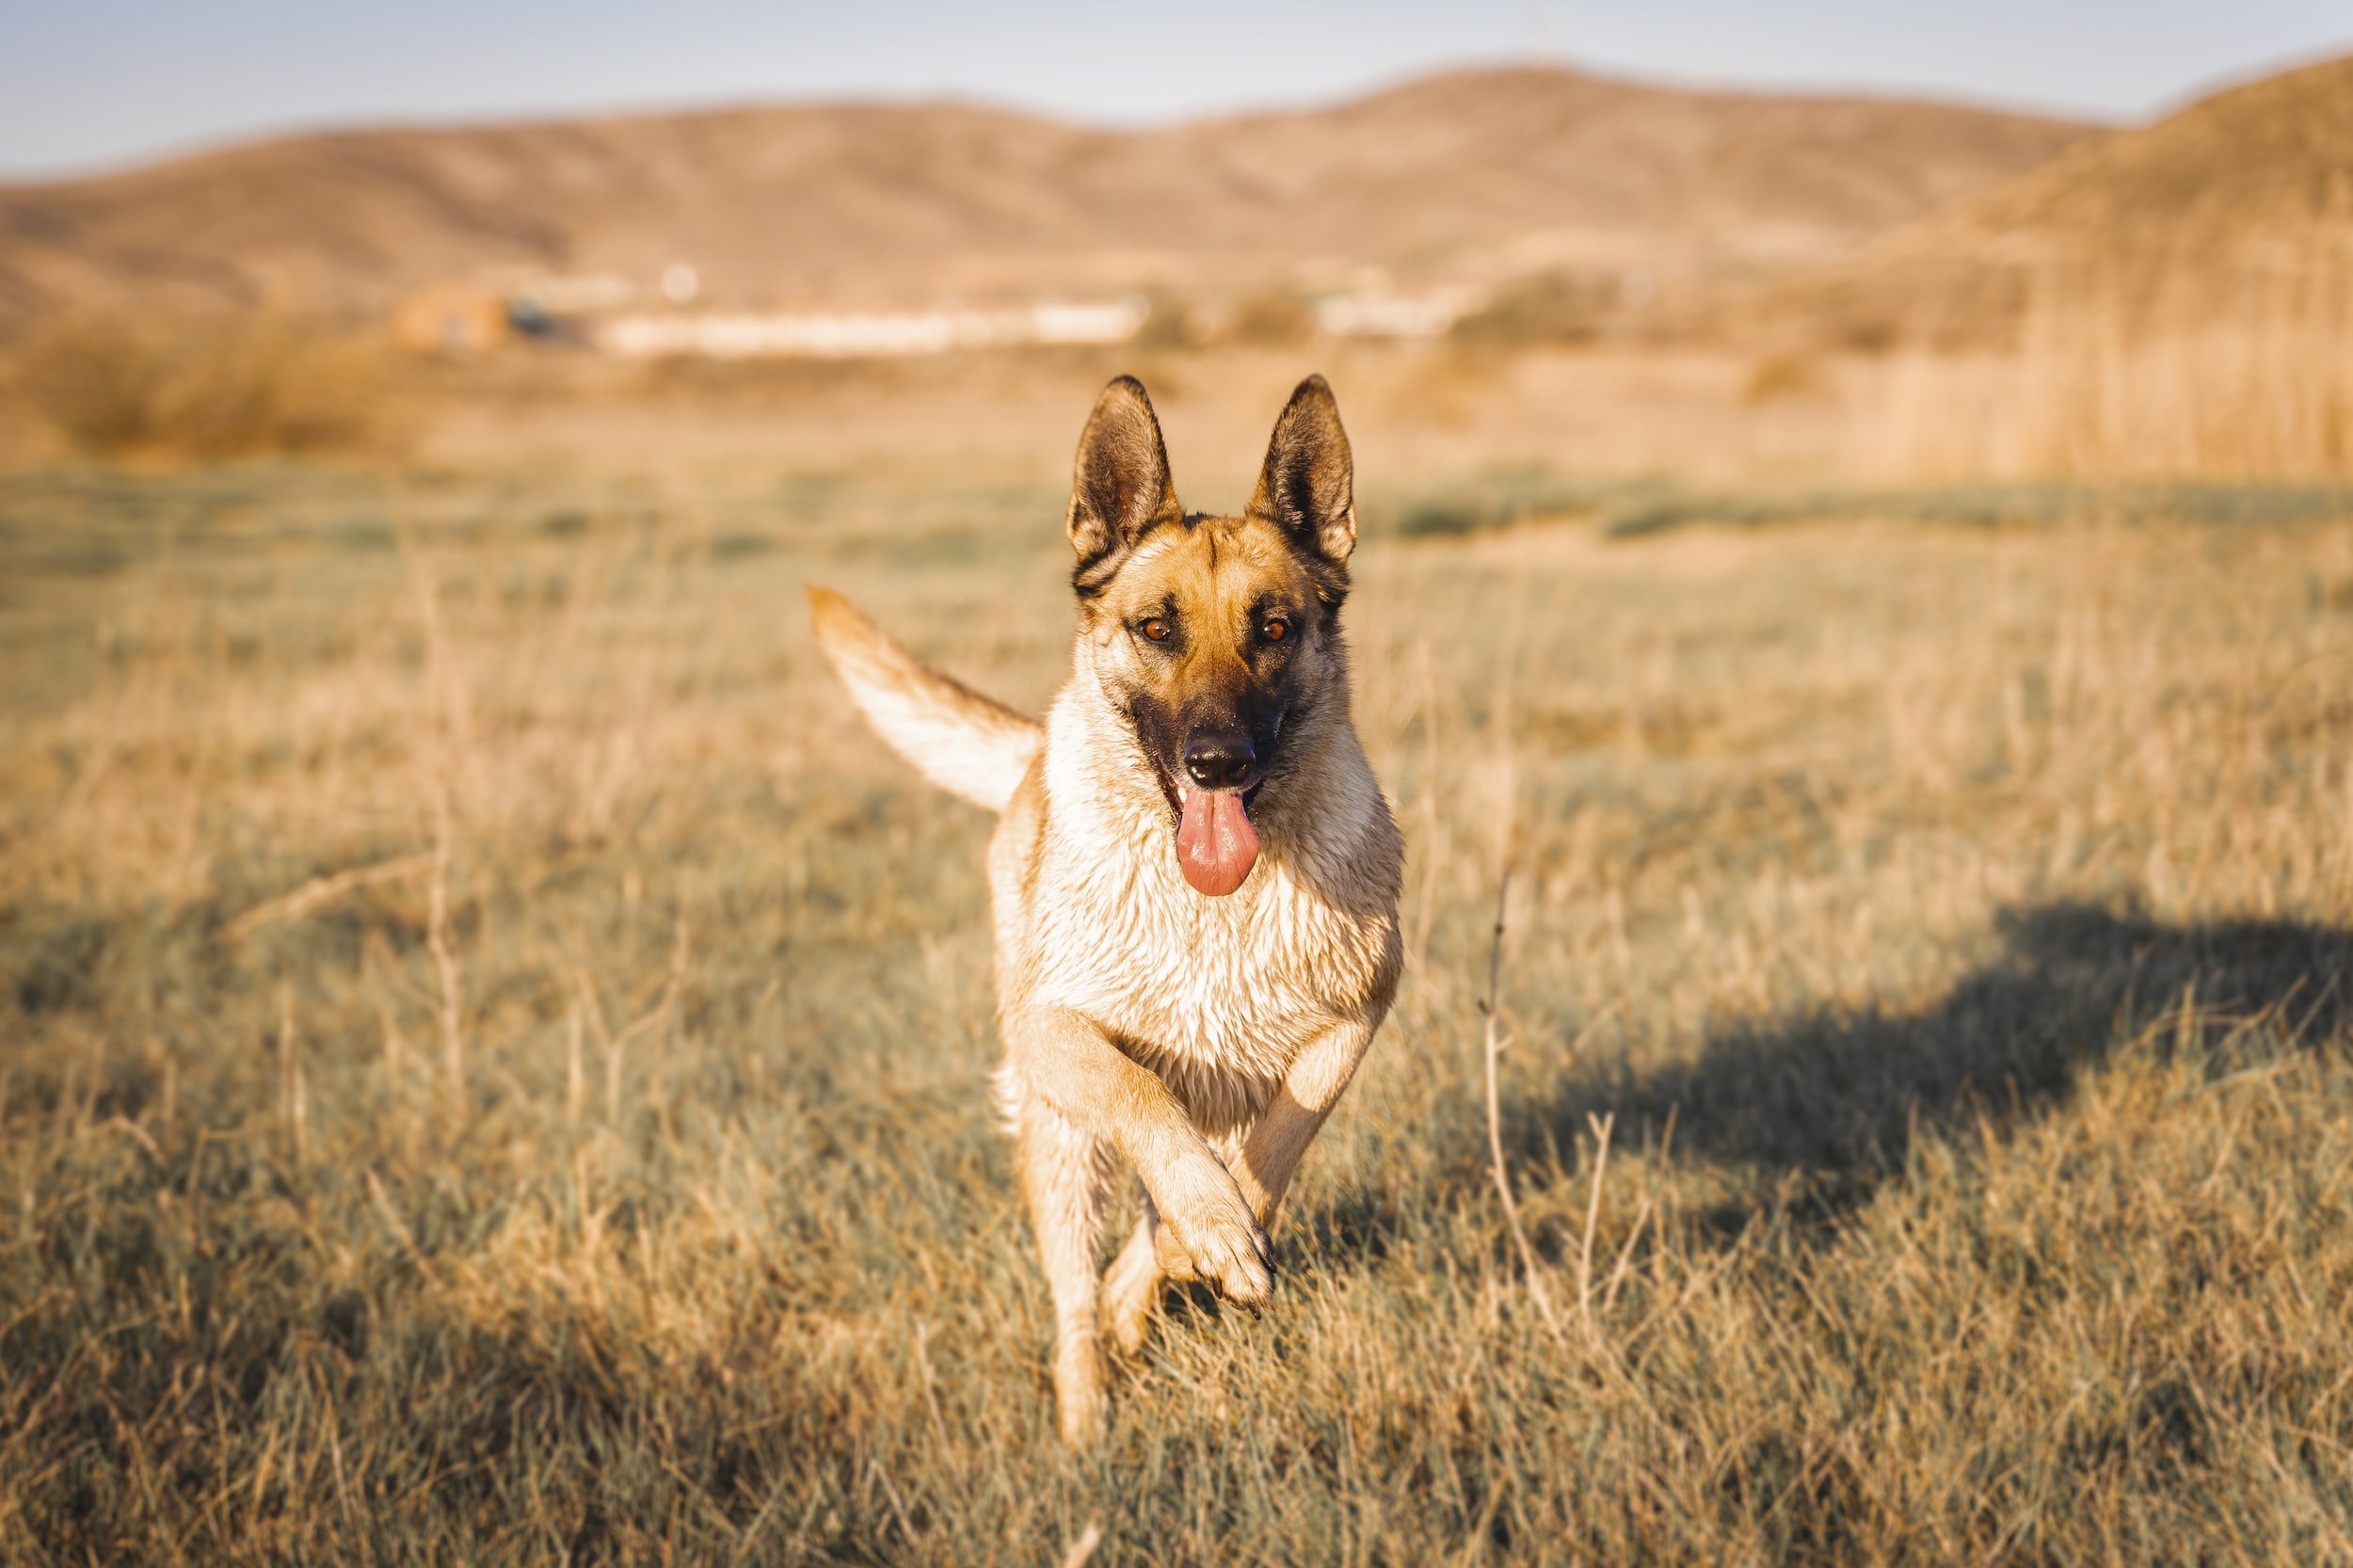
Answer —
1231 1251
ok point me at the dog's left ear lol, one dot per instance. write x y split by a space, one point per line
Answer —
1308 485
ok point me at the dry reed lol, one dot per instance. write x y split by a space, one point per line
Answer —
2154 370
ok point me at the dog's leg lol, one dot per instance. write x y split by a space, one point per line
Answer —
1318 1076
1151 1259
1062 1175
1132 1286
1205 1226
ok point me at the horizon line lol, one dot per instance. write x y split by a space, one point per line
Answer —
230 141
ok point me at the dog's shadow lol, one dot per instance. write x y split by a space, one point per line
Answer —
1827 1104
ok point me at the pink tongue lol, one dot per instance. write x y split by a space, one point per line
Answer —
1216 846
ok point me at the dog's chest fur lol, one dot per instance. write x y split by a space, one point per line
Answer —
1217 995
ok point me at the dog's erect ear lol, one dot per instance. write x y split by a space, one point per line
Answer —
1120 489
1308 487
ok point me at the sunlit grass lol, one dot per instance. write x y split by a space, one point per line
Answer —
1955 921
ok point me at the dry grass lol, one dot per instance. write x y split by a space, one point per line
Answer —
497 1061
2105 390
2163 370
1548 307
203 389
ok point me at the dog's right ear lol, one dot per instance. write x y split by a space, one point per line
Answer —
1120 488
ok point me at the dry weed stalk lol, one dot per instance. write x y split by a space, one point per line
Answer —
290 1078
322 890
575 1086
1432 829
375 959
453 724
616 1046
437 943
1083 1550
1496 1041
1601 1128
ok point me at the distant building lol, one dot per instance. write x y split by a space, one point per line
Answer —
560 296
843 335
454 318
1384 315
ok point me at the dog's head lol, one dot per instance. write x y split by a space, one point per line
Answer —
1216 637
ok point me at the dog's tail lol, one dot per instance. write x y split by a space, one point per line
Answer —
958 738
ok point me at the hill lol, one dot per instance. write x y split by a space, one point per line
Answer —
1470 170
2233 176
2239 193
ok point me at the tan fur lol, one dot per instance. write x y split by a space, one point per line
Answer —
962 740
1201 1040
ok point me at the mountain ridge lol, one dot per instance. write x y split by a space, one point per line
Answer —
1502 169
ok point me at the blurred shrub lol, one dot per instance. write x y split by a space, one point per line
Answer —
1171 324
115 387
1550 308
1777 378
1274 318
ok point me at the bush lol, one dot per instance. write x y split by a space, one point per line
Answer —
117 387
1553 307
1170 325
1277 318
1780 378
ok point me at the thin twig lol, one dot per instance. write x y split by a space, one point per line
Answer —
576 1088
1626 1256
616 1045
1593 1217
1495 1044
290 1078
136 1133
322 889
436 942
455 724
1078 1551
375 959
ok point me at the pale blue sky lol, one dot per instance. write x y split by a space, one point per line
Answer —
88 84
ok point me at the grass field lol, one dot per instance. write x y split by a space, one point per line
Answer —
495 1057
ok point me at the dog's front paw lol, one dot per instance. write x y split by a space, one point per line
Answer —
1216 1238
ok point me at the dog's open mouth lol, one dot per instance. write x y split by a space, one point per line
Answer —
1216 844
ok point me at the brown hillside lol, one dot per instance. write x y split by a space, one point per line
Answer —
2235 174
2237 194
1470 170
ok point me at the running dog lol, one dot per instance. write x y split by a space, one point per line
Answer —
1195 876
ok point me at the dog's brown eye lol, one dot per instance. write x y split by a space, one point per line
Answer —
1156 630
1275 630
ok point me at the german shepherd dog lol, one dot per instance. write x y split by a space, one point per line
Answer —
1194 878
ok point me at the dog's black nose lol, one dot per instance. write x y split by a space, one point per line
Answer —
1220 759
